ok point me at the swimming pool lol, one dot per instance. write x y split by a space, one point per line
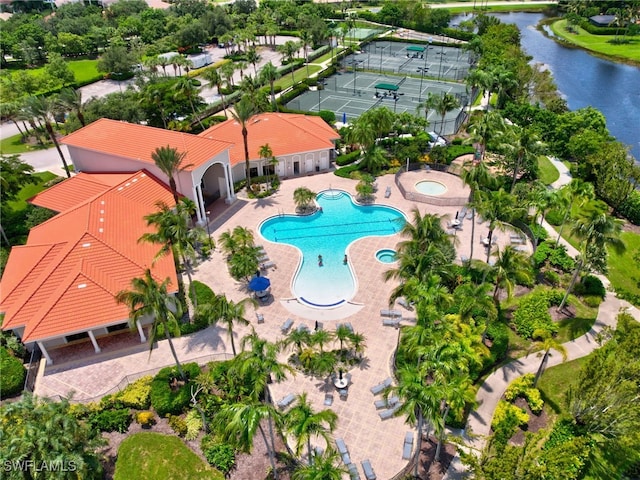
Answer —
430 187
386 255
328 233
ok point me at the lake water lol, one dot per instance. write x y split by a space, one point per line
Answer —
585 80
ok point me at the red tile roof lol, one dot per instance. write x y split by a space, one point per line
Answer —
286 134
64 280
137 142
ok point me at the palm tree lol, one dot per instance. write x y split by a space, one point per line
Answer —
445 104
42 108
212 75
358 343
511 265
230 313
597 230
498 208
288 51
303 423
476 177
303 198
242 112
297 337
253 57
228 69
71 99
164 63
484 127
147 297
306 37
265 152
321 338
269 73
184 87
324 467
580 191
523 146
429 104
472 299
481 79
342 334
458 393
169 161
546 343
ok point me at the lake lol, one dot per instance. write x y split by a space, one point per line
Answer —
585 80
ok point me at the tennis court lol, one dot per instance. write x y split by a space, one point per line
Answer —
353 92
434 61
360 34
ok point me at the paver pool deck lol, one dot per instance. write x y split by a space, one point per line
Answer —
365 434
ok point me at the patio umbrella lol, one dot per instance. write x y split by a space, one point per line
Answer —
259 283
344 118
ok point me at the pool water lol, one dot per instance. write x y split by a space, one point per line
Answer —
429 187
328 233
386 255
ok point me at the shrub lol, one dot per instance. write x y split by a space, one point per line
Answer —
630 208
12 344
539 232
591 285
13 374
554 297
194 424
203 293
348 158
523 387
556 256
166 400
146 418
219 455
592 301
533 314
328 116
551 277
506 420
454 151
177 424
534 400
117 420
137 394
554 217
345 172
498 333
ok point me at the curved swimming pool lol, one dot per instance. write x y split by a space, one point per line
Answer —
328 233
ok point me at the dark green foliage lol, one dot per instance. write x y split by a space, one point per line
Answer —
203 293
13 374
590 285
293 93
630 208
533 314
556 256
219 455
328 116
498 333
552 277
454 151
345 172
168 393
111 420
554 217
539 232
348 158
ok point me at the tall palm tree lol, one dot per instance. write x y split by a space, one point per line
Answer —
511 265
41 108
576 191
597 230
213 76
546 343
324 467
476 177
242 112
169 161
485 127
147 297
342 334
303 197
228 69
458 393
499 208
269 73
523 146
303 423
306 39
232 313
184 87
429 104
298 337
445 104
71 99
265 152
253 57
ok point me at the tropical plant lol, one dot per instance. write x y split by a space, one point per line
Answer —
510 266
269 73
242 112
322 467
576 191
499 208
170 162
213 76
71 99
184 87
303 198
522 147
443 105
484 128
476 177
147 297
546 343
228 312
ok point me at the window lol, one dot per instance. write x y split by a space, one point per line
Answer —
118 327
268 170
77 336
253 171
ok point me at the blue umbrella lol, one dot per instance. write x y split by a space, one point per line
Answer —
259 283
344 117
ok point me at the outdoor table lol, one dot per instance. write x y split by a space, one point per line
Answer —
341 382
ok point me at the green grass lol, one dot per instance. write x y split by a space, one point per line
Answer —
624 270
511 7
13 145
326 56
299 75
154 456
555 382
572 328
547 172
84 71
598 43
29 190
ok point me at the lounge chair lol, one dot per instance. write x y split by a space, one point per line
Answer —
286 325
267 265
391 322
408 446
464 258
369 474
390 313
342 448
353 472
344 393
403 303
387 192
469 214
286 401
328 399
389 412
386 402
302 328
349 327
379 388
260 317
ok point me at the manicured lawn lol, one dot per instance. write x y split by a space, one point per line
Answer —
11 145
624 270
598 43
572 328
29 190
326 56
299 75
84 70
547 172
152 456
555 382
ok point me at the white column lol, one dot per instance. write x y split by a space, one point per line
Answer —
201 202
96 347
231 196
196 198
141 332
45 353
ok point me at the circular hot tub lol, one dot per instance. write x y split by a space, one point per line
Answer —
429 187
386 255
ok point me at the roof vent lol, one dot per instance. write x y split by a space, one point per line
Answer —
101 202
134 180
143 175
127 184
102 220
101 212
101 229
82 285
120 188
86 245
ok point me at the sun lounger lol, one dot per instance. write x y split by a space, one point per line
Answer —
390 412
379 388
286 401
387 192
464 258
408 446
463 213
342 448
260 317
302 328
469 215
328 399
353 472
403 303
286 325
390 313
369 474
386 402
267 265
344 393
391 322
349 327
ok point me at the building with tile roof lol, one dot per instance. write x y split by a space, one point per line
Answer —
60 286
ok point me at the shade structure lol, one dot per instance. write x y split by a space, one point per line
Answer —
259 283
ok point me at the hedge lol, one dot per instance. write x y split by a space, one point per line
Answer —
318 53
590 285
347 159
219 455
630 208
112 420
165 400
13 374
137 394
345 172
203 293
533 314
